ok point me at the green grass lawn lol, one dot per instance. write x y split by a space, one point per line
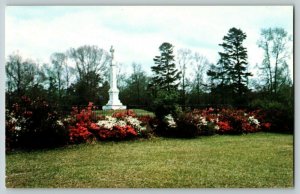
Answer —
253 160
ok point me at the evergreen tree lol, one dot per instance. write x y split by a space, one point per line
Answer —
231 72
166 75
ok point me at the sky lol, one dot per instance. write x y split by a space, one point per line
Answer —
136 32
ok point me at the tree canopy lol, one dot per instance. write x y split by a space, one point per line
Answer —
166 75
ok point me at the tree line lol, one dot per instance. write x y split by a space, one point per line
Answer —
80 75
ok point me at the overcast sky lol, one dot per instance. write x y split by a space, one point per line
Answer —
136 32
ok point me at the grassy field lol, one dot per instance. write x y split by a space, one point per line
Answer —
253 160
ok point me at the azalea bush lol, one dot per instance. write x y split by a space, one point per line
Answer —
275 120
122 125
212 121
233 121
34 124
279 115
80 124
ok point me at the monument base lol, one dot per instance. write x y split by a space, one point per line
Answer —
113 107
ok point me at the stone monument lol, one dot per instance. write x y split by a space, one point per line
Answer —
114 102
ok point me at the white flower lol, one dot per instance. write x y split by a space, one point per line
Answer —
120 123
109 122
106 124
23 120
59 123
253 121
14 120
217 127
135 123
170 121
67 119
18 128
202 121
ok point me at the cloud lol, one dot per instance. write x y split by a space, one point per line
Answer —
137 31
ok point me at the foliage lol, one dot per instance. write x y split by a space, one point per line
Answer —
166 103
87 88
186 127
89 58
21 74
34 124
58 76
279 117
135 91
166 76
231 71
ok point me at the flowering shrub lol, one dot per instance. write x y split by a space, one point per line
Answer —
211 121
84 127
206 121
81 124
117 133
186 127
34 124
123 114
274 120
135 123
121 128
237 121
145 119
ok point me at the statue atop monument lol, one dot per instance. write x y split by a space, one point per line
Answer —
114 102
112 50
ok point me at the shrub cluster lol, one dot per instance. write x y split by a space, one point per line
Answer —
212 121
34 124
122 125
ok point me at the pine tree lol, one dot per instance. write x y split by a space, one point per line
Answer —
232 67
166 75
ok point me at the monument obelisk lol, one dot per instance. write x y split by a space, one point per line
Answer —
114 102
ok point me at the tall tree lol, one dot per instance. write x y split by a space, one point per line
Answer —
21 75
232 70
89 59
184 59
59 62
274 68
166 76
135 92
138 78
200 63
91 64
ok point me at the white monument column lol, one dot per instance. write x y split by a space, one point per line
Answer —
114 102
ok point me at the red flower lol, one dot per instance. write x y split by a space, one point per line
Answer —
266 126
224 126
122 114
94 126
